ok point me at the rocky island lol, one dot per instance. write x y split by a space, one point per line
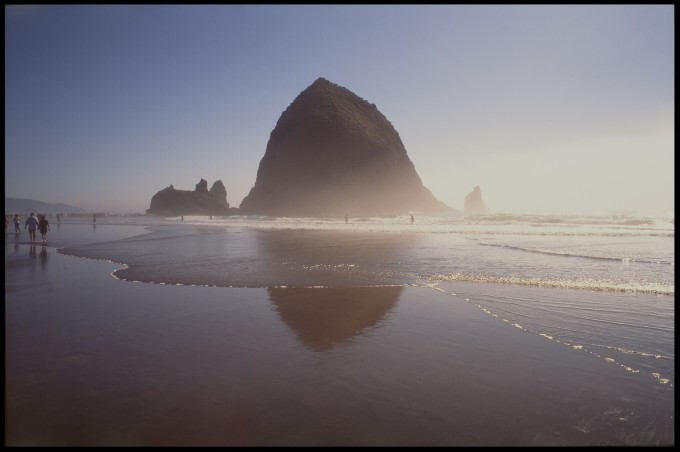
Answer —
201 201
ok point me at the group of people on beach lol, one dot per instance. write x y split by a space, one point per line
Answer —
33 224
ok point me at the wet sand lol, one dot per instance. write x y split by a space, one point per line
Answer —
91 360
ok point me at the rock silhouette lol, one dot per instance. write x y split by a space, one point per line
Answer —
332 153
201 201
474 201
323 318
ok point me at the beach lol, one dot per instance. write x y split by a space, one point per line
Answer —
302 354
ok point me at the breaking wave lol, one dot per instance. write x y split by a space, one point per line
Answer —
584 284
458 223
557 252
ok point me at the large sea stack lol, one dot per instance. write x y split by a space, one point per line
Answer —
201 201
333 153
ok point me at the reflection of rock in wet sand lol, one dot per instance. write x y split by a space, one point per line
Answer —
324 317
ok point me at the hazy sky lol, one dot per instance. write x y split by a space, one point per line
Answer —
563 108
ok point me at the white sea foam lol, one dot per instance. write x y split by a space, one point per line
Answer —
584 283
457 223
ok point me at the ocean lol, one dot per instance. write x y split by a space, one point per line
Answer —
596 289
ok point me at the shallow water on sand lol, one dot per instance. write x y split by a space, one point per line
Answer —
633 329
95 361
344 340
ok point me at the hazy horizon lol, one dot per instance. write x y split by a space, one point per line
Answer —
547 108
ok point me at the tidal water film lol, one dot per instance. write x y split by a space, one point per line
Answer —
453 330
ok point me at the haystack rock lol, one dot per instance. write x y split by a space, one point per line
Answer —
201 201
474 202
333 153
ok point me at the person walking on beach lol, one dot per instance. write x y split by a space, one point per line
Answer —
346 219
412 218
44 226
31 224
94 218
17 224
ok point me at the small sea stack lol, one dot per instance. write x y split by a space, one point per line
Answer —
474 201
200 201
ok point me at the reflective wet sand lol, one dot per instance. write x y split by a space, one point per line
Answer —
91 360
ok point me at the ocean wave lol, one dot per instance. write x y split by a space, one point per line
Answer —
457 223
583 284
400 226
555 252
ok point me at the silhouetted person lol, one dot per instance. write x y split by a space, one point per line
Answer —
44 226
182 217
94 218
31 224
412 219
346 219
17 224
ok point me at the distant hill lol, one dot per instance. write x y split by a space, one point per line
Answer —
23 206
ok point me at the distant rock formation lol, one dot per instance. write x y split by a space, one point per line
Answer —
333 153
219 193
201 201
474 202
